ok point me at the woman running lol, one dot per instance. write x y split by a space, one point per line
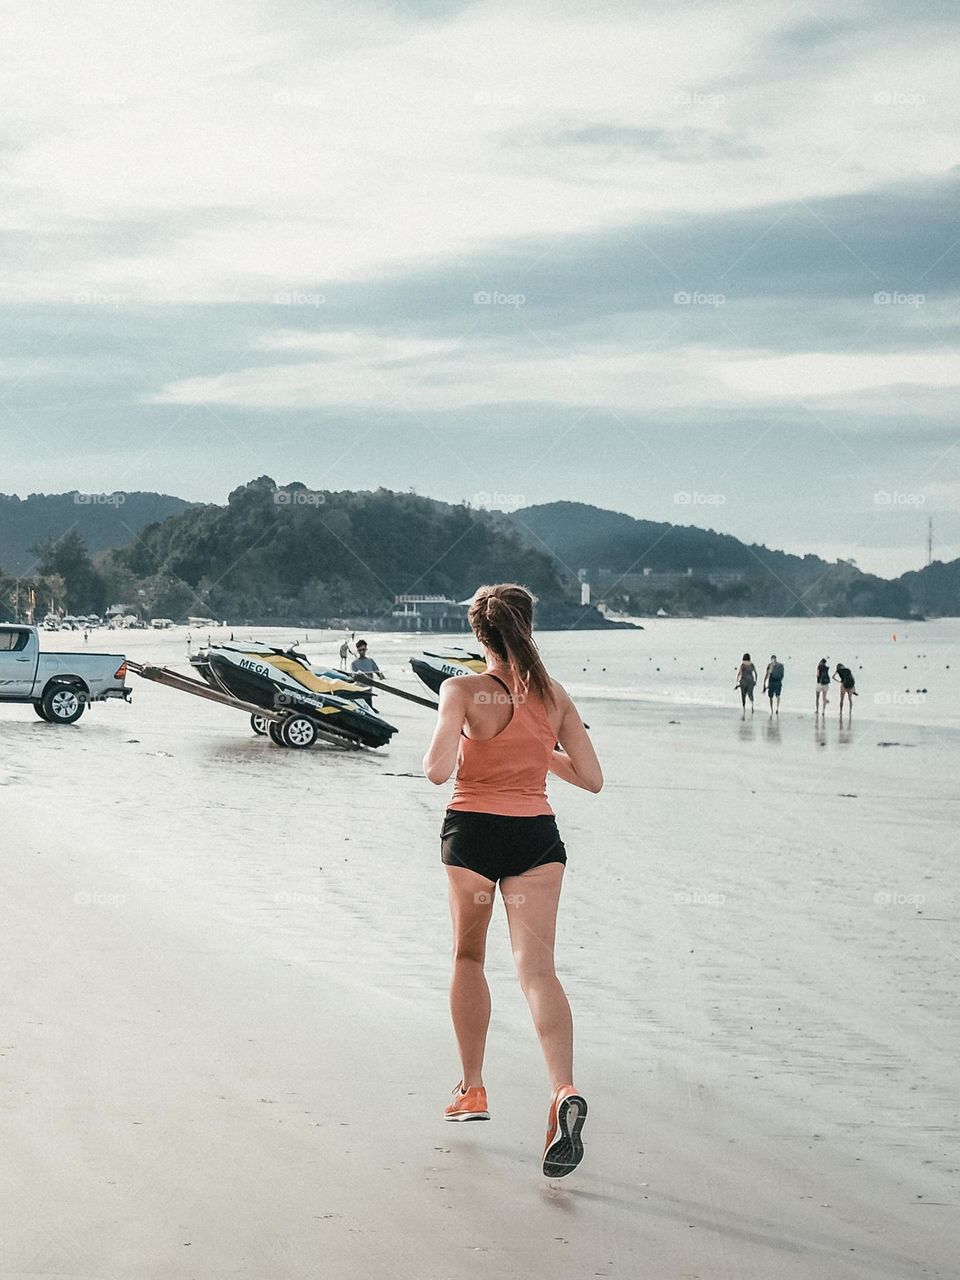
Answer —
498 731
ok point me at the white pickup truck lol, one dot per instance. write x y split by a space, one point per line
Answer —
59 685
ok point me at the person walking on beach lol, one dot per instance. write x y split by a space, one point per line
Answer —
823 684
746 682
773 681
847 686
498 731
345 652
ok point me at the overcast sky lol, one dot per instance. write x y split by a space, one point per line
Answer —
696 262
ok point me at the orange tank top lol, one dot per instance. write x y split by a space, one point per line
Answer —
507 773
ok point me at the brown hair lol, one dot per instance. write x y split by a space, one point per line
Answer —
502 619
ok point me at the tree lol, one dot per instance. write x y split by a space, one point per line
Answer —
8 595
68 558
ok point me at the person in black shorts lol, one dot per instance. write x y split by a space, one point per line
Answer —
502 732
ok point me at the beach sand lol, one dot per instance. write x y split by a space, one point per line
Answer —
226 1047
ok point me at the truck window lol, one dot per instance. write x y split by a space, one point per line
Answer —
12 641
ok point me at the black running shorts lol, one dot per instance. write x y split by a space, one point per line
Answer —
495 845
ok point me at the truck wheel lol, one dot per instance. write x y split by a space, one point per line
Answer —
38 708
273 730
62 704
259 725
298 731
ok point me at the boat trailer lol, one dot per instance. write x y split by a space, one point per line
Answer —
284 726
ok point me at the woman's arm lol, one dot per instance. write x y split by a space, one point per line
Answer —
441 758
577 762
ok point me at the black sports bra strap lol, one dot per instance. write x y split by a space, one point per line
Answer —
502 683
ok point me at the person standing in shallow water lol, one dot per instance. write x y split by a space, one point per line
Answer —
823 684
746 682
847 687
498 731
773 682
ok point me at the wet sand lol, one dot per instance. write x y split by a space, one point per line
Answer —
226 1046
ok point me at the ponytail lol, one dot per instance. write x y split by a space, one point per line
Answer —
502 619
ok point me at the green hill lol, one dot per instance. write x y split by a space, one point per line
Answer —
298 555
645 565
935 589
102 520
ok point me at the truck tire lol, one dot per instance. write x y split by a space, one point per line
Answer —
298 732
259 724
62 703
38 708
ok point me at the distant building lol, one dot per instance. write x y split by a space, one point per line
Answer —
429 613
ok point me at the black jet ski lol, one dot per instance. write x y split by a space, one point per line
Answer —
433 666
278 679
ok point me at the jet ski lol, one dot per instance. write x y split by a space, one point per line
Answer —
433 666
276 678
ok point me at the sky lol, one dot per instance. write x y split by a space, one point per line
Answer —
695 262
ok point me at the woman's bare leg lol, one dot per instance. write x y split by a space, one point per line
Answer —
531 902
471 906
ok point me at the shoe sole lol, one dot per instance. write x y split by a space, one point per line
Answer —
469 1115
566 1150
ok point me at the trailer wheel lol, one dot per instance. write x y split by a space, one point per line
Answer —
298 732
259 724
62 703
273 730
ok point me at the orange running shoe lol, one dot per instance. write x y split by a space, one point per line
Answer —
564 1150
468 1104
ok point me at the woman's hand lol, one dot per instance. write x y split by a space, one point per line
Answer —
577 762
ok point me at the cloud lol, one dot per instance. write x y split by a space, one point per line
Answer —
234 152
679 222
